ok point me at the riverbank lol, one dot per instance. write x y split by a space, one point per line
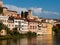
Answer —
28 34
10 37
39 40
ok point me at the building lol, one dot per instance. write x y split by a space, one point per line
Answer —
32 25
30 16
3 32
58 25
7 12
24 23
45 28
11 25
24 14
21 25
4 20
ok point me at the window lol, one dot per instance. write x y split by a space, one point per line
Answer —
9 24
30 22
15 25
22 28
19 28
33 27
30 27
5 20
22 25
12 25
39 28
16 21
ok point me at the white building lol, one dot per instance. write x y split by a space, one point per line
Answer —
45 28
11 25
21 25
4 20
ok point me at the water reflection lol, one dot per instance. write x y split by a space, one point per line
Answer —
45 40
56 40
32 41
3 42
39 40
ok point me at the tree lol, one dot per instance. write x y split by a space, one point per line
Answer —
2 26
1 10
15 32
56 30
22 14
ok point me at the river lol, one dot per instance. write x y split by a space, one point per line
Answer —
39 40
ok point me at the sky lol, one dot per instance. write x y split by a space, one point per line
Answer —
40 8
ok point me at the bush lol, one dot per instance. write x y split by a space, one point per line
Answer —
31 34
56 30
34 34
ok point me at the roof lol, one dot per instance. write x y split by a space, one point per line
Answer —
16 17
5 7
31 20
12 11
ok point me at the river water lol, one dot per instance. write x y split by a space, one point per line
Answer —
39 40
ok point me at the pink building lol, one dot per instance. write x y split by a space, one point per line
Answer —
32 25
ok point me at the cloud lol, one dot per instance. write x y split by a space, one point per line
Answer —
19 9
50 12
15 8
36 10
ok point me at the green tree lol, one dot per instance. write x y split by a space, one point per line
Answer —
1 10
31 34
56 30
15 32
2 26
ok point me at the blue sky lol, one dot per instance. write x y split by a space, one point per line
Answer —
41 8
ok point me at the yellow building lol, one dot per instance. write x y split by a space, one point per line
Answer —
49 28
45 28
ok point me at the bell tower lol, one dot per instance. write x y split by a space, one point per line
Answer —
0 3
30 12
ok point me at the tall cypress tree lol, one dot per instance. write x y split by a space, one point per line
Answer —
1 10
22 14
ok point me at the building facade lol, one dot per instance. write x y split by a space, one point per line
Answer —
45 28
21 25
32 25
3 32
4 20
